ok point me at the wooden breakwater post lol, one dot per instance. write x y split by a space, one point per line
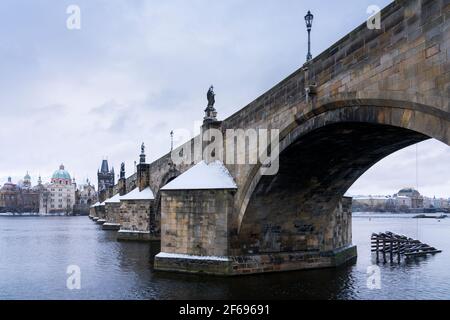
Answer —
389 243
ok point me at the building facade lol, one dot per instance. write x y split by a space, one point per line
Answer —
20 197
371 203
415 197
61 193
85 197
9 195
406 200
28 196
59 196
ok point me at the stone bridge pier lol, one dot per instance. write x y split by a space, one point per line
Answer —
372 93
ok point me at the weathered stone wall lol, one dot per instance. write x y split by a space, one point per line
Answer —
161 172
111 191
100 212
284 228
112 213
195 222
112 210
154 221
134 215
122 186
131 182
338 234
137 216
92 212
145 216
103 195
143 175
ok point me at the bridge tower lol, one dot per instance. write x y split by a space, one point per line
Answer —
106 180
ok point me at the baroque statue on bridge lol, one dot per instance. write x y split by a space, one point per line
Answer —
122 170
211 97
142 155
210 112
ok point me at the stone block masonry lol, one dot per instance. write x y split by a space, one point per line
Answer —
255 264
136 216
195 222
135 221
196 232
112 216
100 212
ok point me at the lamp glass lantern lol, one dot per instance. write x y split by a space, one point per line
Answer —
309 21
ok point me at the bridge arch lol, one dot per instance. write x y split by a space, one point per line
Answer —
337 142
168 177
155 216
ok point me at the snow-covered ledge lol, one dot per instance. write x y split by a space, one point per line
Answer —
203 176
133 235
101 221
134 232
115 199
96 205
164 255
136 194
186 263
111 226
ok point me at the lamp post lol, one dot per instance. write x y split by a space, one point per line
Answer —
309 20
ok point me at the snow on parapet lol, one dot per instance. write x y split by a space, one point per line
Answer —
145 194
115 199
203 176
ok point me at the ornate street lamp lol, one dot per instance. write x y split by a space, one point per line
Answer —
309 20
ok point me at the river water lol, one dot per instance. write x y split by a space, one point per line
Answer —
36 251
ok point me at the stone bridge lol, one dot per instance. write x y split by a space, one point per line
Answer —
370 94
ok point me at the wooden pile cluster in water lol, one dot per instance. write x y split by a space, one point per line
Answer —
396 246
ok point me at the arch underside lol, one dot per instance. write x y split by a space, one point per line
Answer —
298 209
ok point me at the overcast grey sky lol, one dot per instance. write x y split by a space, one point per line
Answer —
138 69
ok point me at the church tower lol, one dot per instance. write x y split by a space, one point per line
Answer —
105 177
27 181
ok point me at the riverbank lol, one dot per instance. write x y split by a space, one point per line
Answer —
397 215
11 214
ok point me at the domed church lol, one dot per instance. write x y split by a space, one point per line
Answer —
61 193
9 196
61 176
57 197
20 197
